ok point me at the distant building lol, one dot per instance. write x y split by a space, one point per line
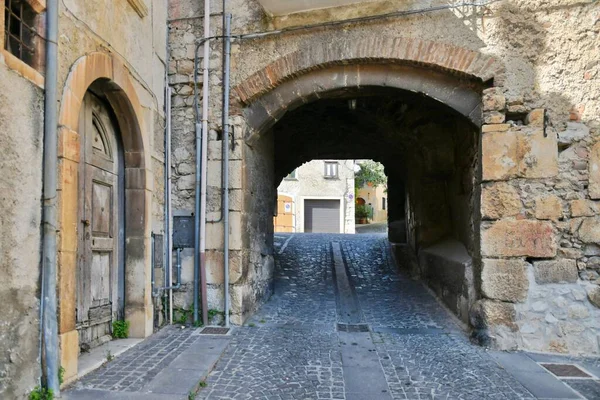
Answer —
375 198
317 197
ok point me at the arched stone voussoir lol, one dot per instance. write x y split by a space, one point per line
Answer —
451 59
459 94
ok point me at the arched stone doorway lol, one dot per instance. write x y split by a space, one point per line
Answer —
105 77
399 78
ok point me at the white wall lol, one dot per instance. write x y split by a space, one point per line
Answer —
310 183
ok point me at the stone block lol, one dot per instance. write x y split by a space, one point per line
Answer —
583 208
236 233
555 271
575 132
214 236
499 200
548 207
490 313
594 295
69 354
535 117
504 280
493 100
499 156
516 238
68 144
594 172
537 155
214 267
67 287
493 117
589 230
495 128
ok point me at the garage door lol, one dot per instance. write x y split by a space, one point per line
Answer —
322 216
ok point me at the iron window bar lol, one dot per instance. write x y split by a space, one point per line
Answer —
14 13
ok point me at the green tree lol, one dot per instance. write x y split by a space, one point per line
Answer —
370 171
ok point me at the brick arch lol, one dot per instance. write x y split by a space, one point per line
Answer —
109 75
444 57
451 75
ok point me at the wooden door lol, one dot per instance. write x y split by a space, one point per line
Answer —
100 189
284 221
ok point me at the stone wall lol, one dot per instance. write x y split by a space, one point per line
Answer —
21 144
527 171
540 232
309 182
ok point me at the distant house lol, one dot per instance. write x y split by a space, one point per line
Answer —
375 199
317 197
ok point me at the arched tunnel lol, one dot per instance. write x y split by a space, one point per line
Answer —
431 157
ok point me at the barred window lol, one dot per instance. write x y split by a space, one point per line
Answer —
21 36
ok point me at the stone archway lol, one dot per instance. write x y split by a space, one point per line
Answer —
112 77
449 76
443 72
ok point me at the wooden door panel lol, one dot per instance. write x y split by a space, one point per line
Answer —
102 209
98 246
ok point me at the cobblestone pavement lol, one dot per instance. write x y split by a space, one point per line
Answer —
290 349
138 366
375 227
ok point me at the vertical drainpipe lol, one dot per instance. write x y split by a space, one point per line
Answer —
201 167
227 55
49 269
167 265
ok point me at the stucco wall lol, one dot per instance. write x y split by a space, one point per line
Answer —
375 196
310 183
113 28
21 144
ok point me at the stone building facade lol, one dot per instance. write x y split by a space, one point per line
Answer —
113 52
310 182
485 117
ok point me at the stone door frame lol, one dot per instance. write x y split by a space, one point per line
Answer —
109 75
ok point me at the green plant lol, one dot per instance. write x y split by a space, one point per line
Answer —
182 315
61 375
120 329
262 321
370 172
202 384
212 312
41 393
361 211
251 324
109 356
191 395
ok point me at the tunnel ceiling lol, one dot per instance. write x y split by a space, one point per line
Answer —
387 125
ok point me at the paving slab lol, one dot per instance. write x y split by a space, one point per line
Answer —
536 379
168 365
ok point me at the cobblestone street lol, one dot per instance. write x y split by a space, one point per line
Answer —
343 324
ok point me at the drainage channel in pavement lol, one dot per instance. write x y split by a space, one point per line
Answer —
363 374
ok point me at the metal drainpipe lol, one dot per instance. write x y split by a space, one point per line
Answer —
205 104
201 160
227 56
49 323
168 179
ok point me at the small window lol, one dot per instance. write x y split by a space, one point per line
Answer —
331 170
292 175
21 37
383 203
